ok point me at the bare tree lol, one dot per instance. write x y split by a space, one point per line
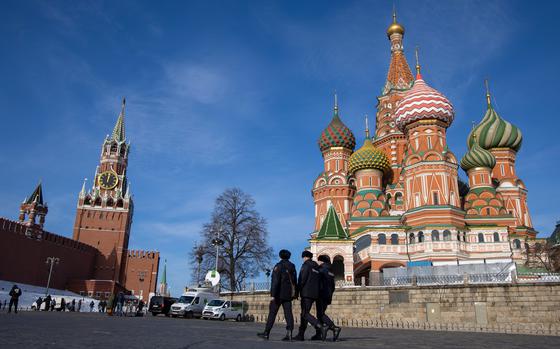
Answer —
542 254
243 231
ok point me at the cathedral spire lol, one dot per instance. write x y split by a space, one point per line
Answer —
418 75
83 191
335 104
367 127
488 97
118 132
399 77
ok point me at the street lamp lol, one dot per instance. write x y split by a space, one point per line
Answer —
52 261
217 242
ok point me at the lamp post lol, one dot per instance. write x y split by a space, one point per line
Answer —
52 261
217 242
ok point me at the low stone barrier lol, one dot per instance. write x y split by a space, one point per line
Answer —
524 309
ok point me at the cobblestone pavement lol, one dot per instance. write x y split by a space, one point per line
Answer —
85 330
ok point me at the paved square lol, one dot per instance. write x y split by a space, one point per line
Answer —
85 330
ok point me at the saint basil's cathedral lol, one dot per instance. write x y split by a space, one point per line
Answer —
398 199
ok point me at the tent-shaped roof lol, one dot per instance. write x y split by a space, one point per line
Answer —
332 228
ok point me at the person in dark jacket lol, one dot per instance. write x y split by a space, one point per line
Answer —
308 287
283 290
14 294
38 302
47 302
326 290
63 304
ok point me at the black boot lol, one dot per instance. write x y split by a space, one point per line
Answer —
324 331
288 337
317 336
299 337
263 335
336 332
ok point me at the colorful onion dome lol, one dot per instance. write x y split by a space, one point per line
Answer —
422 102
337 134
477 157
495 132
368 157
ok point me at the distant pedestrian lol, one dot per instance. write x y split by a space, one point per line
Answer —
14 294
120 303
79 305
53 304
73 306
103 306
308 286
47 302
91 305
38 303
0 304
326 290
63 304
282 291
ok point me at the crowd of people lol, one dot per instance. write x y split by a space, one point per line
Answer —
314 285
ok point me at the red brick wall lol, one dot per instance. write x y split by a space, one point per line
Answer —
141 273
22 257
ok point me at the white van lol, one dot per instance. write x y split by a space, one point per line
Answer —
220 309
192 302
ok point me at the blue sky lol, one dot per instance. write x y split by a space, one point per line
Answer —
224 93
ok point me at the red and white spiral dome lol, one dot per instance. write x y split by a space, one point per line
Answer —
422 102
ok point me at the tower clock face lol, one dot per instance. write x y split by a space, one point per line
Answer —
108 180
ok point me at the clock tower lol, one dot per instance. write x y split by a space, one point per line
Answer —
104 212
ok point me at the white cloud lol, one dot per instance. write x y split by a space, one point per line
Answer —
202 83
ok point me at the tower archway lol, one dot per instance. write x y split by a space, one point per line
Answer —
338 267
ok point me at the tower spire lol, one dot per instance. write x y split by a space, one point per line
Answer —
83 191
488 97
335 102
118 132
367 127
418 75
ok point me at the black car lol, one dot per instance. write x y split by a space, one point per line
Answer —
161 305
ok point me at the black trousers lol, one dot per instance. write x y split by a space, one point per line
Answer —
273 310
13 302
306 317
322 313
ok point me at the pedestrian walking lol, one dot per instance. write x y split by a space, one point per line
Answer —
47 302
63 304
38 303
326 290
91 305
308 287
79 305
53 304
120 303
14 294
283 289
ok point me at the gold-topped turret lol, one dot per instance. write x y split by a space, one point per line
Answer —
395 27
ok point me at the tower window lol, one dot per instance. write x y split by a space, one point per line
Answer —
417 199
502 170
496 237
381 239
487 211
421 236
394 239
436 198
429 142
480 237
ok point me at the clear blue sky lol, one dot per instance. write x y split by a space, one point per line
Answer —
224 93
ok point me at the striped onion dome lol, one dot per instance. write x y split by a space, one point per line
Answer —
422 102
477 157
337 135
368 157
495 132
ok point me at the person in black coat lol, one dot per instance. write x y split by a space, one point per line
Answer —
326 290
47 302
283 289
308 287
14 294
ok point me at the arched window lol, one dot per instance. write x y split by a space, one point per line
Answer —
464 236
435 235
458 236
517 244
381 239
446 235
411 238
389 200
394 239
421 236
496 237
480 237
398 198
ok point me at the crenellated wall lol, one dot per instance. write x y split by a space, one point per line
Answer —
141 272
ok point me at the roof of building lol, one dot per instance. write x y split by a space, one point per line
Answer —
36 196
331 228
336 134
118 131
478 157
368 157
423 102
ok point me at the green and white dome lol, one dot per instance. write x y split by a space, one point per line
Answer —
495 132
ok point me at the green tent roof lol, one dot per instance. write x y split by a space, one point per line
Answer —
332 228
36 196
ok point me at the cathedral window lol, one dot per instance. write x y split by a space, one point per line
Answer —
488 211
496 237
435 195
381 239
517 244
435 235
411 238
480 237
337 165
452 198
421 236
446 235
416 143
502 170
429 142
394 239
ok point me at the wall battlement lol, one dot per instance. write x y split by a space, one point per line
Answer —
143 254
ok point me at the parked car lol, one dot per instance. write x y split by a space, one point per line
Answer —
222 310
161 305
192 302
